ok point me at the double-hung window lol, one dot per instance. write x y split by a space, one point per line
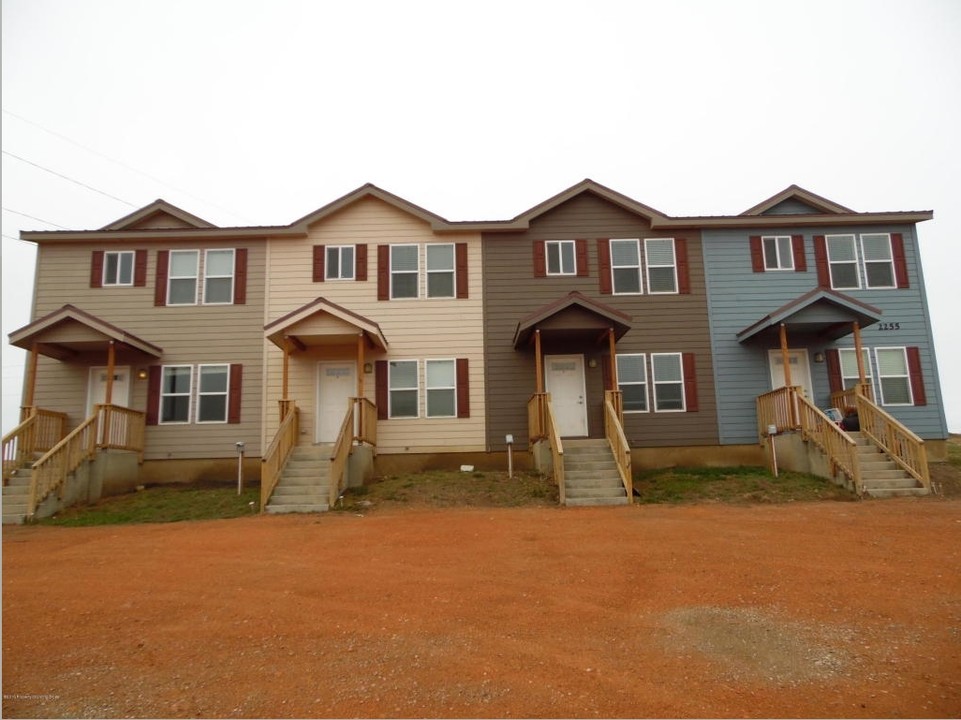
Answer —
778 252
878 260
441 386
403 388
667 375
632 382
218 277
661 265
182 281
843 262
626 267
893 376
212 387
849 366
440 271
404 271
175 391
118 268
561 257
339 263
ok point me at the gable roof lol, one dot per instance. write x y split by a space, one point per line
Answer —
370 190
611 317
805 197
157 209
277 330
794 316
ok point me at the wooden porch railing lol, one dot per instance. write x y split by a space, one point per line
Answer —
903 446
121 428
778 408
278 453
845 400
557 448
614 430
39 431
367 421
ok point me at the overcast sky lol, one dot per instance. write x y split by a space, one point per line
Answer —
247 112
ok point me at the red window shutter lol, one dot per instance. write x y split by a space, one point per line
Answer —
832 359
757 254
235 395
604 265
96 269
153 395
380 378
683 267
360 260
320 257
917 378
580 251
900 262
140 268
540 259
160 290
383 274
800 261
463 389
240 276
690 382
821 261
460 252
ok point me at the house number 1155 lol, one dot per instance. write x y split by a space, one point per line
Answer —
889 326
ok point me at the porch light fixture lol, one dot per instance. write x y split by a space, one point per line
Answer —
368 368
819 357
142 374
592 363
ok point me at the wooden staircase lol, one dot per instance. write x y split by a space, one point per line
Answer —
590 474
304 484
16 497
881 477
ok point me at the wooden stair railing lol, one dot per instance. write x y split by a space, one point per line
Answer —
557 447
340 453
837 445
905 448
614 430
39 431
278 453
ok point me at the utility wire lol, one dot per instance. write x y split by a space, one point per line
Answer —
70 179
45 222
124 165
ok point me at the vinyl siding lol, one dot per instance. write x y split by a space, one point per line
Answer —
415 328
188 335
661 323
739 297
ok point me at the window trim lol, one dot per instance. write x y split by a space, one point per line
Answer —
392 272
339 264
201 394
645 383
452 271
831 263
452 388
171 277
639 266
133 268
189 395
779 266
673 266
391 389
560 258
889 261
232 275
655 382
906 376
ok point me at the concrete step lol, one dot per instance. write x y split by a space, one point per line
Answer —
905 481
896 492
298 508
284 492
595 502
874 475
595 492
592 481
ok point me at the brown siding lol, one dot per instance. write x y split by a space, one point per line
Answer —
661 323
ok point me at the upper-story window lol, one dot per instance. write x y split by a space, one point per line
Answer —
218 277
626 267
878 260
661 265
561 257
118 268
340 262
843 262
428 270
182 281
778 252
213 277
404 271
440 271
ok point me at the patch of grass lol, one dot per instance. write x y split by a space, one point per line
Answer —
162 504
732 485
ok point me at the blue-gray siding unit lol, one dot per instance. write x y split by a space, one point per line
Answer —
738 297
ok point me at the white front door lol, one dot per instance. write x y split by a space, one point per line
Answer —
564 378
97 387
800 370
336 384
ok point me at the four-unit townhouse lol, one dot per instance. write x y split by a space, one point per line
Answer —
381 334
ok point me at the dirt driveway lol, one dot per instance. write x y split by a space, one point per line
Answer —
821 609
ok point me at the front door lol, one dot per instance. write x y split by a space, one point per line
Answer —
800 370
97 387
336 384
564 378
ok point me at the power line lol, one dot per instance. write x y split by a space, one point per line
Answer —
70 179
23 214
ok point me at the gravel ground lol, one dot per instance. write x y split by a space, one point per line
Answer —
799 610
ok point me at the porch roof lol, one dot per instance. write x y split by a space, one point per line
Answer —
70 330
826 314
574 314
322 322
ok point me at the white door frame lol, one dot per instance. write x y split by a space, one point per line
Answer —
322 432
800 371
93 381
570 421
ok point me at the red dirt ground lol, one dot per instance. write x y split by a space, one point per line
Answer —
828 609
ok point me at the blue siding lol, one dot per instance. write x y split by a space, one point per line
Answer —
739 297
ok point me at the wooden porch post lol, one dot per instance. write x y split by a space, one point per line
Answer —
539 362
858 351
111 366
31 378
611 341
784 356
360 365
284 406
